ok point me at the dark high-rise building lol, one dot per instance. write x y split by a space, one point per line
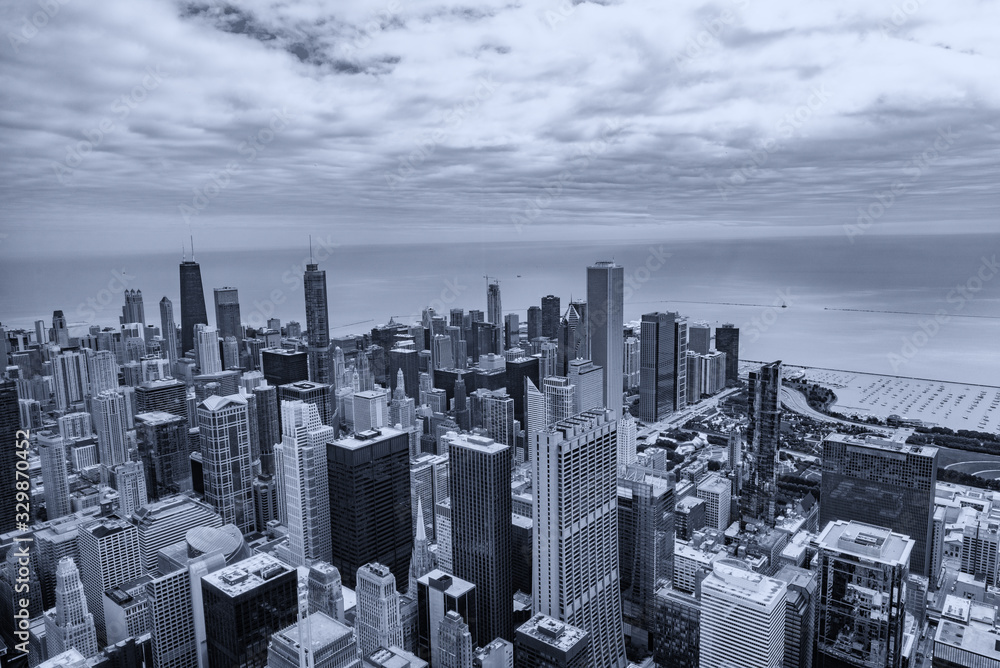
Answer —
550 316
882 481
317 394
168 331
479 486
227 313
281 366
517 371
605 317
9 426
167 395
317 325
863 570
369 487
764 408
494 311
485 339
800 615
192 302
645 548
534 322
243 605
656 366
700 337
133 310
727 340
268 424
163 448
407 360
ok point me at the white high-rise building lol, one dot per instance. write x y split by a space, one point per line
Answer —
627 437
560 399
588 382
226 460
716 492
454 646
300 460
70 625
111 417
631 361
742 618
534 411
109 556
207 345
129 480
102 370
605 319
371 409
378 622
576 571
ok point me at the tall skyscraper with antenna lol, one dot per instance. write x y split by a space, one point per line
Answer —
192 300
317 323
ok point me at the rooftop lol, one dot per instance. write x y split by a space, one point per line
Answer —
737 580
479 443
552 632
866 540
246 575
323 630
895 442
361 439
451 585
157 417
980 641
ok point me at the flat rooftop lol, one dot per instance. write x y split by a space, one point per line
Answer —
977 640
246 575
866 540
480 443
323 631
552 632
364 438
738 581
895 442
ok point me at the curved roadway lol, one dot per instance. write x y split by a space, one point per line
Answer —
796 402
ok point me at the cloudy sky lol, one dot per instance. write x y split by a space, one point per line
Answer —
409 120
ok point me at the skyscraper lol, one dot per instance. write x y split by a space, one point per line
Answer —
369 487
545 642
605 317
102 371
192 301
243 605
300 459
168 331
225 452
454 649
764 408
163 448
534 322
550 316
109 556
479 486
494 312
863 571
575 518
882 481
800 615
560 399
72 381
60 332
588 382
133 310
627 437
700 337
55 476
317 325
129 481
70 625
745 610
727 340
321 640
378 622
656 366
209 356
111 419
227 313
680 362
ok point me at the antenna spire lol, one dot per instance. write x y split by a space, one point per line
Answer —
192 248
311 250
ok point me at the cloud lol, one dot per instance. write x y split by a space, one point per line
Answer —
373 88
